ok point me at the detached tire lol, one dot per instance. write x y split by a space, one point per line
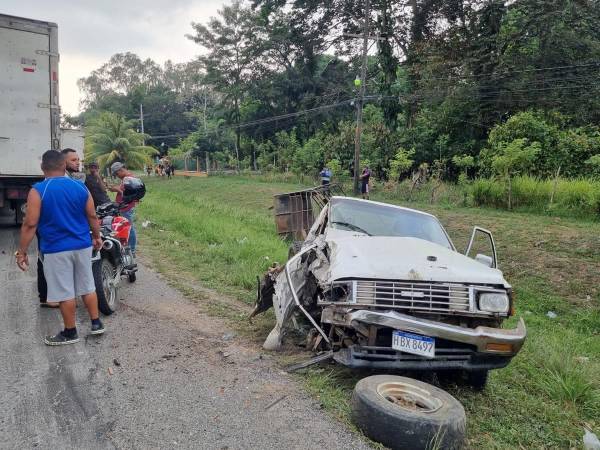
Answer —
402 413
104 271
295 247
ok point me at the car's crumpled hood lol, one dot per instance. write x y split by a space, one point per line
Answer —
354 255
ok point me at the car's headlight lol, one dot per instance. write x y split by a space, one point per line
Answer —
340 292
495 302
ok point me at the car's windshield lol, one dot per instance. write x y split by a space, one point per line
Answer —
381 220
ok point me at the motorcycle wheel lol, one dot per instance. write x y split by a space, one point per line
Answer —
132 277
104 272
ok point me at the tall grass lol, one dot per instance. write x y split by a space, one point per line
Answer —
580 196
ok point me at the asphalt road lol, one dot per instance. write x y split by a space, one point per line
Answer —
162 376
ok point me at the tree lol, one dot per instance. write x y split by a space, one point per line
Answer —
464 163
232 59
400 163
594 164
109 138
120 75
512 159
531 126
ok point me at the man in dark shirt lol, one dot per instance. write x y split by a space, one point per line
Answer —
96 186
365 176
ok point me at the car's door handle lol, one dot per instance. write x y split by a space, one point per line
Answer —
4 138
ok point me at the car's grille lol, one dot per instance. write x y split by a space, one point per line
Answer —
417 296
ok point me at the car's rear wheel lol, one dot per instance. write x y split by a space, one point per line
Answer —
402 413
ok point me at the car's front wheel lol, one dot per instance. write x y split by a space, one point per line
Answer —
477 379
402 413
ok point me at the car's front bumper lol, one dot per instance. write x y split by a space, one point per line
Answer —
367 357
467 348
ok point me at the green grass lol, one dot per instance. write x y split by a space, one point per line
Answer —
579 197
219 233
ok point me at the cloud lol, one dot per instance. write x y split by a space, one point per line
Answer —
90 32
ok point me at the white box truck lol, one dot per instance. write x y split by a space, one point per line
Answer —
29 106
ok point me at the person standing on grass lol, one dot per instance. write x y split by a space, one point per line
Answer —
325 175
119 170
365 176
61 211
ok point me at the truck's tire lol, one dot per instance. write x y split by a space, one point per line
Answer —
19 213
295 247
477 379
402 413
103 270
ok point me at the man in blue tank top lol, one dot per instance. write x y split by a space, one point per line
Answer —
62 212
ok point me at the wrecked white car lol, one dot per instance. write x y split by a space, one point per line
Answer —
385 288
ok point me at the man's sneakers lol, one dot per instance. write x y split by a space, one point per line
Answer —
97 327
61 339
70 336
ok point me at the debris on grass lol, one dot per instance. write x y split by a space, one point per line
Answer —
590 440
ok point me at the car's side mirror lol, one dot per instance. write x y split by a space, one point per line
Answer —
483 259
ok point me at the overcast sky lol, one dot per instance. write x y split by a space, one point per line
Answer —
90 32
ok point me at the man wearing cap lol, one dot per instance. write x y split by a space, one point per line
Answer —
95 185
119 170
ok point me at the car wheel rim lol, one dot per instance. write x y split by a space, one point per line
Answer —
409 397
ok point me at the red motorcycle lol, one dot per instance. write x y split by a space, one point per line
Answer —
115 259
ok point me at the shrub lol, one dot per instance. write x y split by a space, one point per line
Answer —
488 192
576 194
530 192
580 196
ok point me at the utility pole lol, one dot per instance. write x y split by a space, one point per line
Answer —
361 95
142 122
204 119
204 115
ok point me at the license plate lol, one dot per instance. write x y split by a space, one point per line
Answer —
413 343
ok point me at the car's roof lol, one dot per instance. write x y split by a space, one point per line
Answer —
337 197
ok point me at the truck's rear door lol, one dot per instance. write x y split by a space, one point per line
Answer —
25 125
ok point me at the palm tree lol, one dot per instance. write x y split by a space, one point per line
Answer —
109 138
